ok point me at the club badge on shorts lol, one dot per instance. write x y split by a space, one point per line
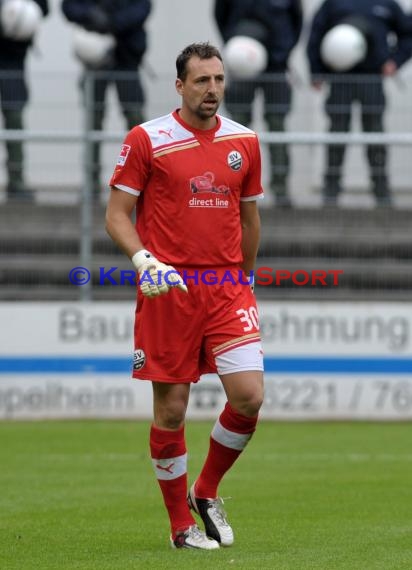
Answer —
139 359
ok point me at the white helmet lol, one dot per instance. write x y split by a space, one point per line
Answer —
343 47
91 48
245 57
20 19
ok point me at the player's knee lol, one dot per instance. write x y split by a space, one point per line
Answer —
250 404
253 406
170 417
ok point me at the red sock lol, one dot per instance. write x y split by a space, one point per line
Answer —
169 457
229 437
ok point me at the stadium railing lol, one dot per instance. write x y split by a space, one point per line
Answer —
63 228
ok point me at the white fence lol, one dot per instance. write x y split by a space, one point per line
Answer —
56 134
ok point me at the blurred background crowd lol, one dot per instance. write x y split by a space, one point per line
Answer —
321 81
327 85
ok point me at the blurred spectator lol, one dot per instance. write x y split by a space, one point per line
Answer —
19 23
388 44
122 22
277 25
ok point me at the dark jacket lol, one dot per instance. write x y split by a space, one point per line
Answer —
12 52
281 18
381 18
126 22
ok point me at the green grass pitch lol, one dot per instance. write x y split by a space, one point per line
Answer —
321 496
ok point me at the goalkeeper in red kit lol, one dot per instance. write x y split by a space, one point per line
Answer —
193 177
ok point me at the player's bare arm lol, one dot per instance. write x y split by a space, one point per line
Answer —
119 223
250 221
156 278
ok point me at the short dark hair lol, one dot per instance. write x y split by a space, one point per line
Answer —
201 50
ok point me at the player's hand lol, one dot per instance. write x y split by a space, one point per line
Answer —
155 277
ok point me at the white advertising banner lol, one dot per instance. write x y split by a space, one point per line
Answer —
322 361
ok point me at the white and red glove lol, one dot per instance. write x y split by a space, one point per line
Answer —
155 277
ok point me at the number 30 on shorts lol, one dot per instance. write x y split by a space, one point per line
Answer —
249 317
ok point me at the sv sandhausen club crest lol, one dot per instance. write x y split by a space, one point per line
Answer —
234 160
139 359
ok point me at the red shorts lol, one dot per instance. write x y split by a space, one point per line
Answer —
178 335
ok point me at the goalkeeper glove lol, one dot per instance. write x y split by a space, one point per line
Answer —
155 277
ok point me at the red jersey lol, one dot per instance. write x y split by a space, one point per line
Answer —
190 184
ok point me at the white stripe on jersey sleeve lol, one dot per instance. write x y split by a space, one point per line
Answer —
127 189
252 198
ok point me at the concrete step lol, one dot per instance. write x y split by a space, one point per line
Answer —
40 244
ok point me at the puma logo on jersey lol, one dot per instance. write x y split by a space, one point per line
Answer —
167 133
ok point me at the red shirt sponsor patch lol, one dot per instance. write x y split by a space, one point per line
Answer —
124 153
